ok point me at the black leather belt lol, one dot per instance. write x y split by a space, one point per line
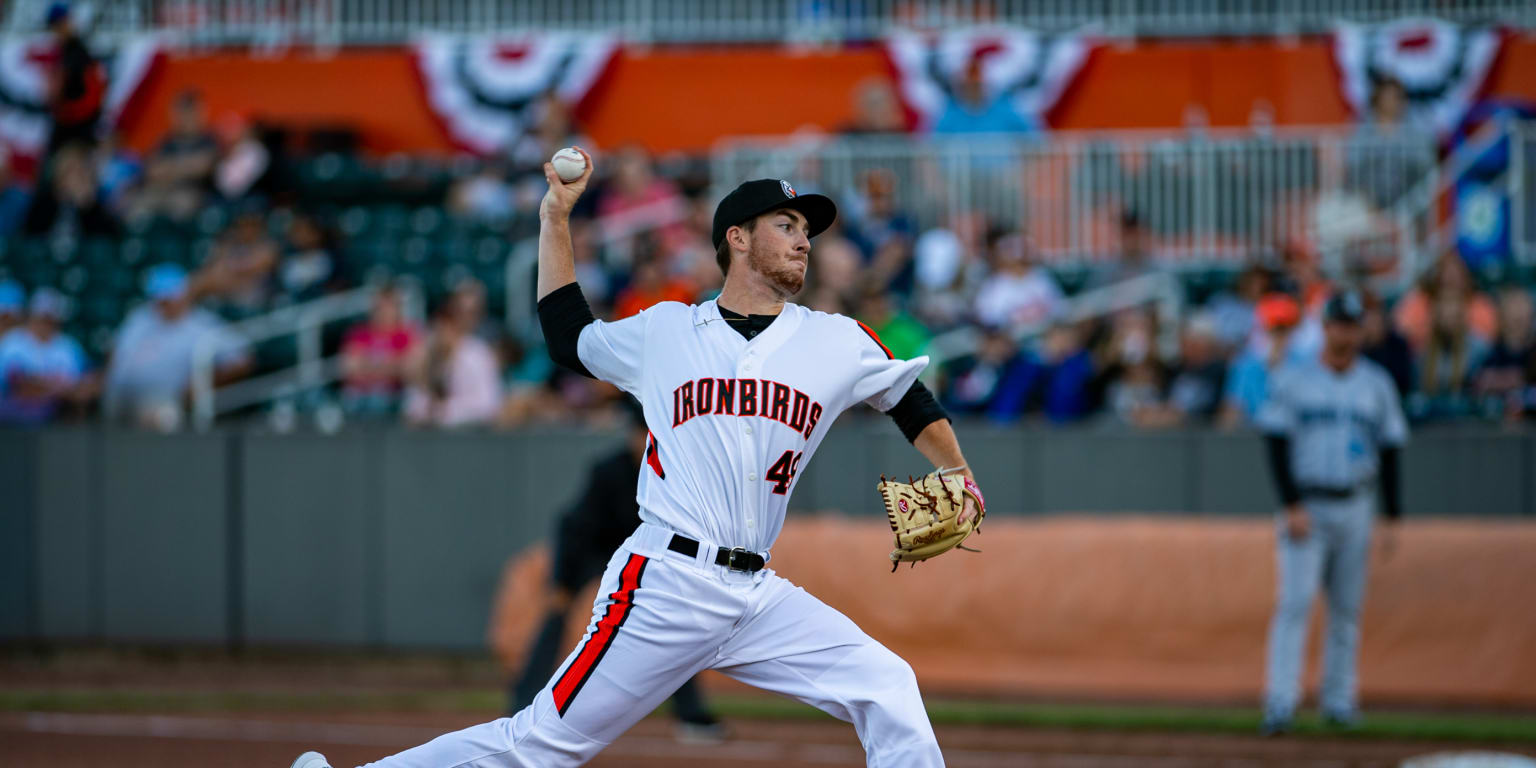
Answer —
735 558
1325 492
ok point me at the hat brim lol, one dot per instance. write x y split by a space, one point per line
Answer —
819 211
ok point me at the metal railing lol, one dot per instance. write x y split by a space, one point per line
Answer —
277 22
1210 199
1160 291
312 370
614 234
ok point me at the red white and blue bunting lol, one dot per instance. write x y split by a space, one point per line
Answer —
482 88
25 121
1034 69
1442 66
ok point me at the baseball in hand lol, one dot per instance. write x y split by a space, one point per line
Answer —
569 164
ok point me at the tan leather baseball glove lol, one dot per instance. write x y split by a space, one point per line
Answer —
925 512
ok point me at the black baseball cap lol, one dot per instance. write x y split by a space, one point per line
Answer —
1345 307
759 196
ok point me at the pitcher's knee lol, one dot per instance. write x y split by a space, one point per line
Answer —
893 697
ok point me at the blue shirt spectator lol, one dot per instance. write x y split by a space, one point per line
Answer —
15 198
971 109
39 366
994 115
153 356
1247 385
996 381
12 299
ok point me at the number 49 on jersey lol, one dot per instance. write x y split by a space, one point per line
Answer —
782 473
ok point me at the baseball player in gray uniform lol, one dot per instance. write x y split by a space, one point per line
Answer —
1333 427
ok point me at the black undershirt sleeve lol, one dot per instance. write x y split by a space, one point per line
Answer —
915 411
1389 477
562 315
1280 466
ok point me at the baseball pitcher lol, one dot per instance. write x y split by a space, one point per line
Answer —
737 393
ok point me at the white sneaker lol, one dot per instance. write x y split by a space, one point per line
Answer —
311 760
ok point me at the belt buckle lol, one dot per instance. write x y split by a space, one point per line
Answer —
731 559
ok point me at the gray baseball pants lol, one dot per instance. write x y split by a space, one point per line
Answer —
1334 556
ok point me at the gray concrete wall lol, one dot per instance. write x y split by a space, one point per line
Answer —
397 539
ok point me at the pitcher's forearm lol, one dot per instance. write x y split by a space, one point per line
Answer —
938 444
556 267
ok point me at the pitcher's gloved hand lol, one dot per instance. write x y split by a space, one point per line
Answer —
925 514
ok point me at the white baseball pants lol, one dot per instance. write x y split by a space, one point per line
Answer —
662 617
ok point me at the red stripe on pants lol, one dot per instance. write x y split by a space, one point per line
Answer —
597 644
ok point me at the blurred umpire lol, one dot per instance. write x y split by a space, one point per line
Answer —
585 537
1334 427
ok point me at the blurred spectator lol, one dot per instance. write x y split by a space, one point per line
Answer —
467 303
242 169
41 369
970 109
310 267
1448 277
1195 391
1232 312
150 374
1065 391
649 284
876 110
178 175
12 300
67 204
454 379
1018 294
638 199
1303 278
1135 254
994 382
239 268
375 357
833 280
1386 155
882 231
549 130
118 173
77 85
1133 379
1383 345
587 259
485 196
1247 384
1451 357
901 332
1503 381
948 268
15 197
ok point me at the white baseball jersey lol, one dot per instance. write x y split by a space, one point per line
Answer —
1337 422
732 421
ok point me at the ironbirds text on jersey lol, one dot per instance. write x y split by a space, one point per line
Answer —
732 421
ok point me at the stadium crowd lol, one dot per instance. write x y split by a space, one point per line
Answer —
1455 348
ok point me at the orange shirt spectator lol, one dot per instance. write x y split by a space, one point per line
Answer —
638 297
1413 317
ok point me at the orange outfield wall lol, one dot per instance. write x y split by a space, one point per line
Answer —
683 98
1141 608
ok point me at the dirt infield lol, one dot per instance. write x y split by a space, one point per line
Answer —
70 740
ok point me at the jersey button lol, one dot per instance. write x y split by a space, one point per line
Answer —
752 478
749 430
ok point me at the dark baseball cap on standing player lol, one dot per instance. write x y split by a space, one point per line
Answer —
1345 307
759 196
